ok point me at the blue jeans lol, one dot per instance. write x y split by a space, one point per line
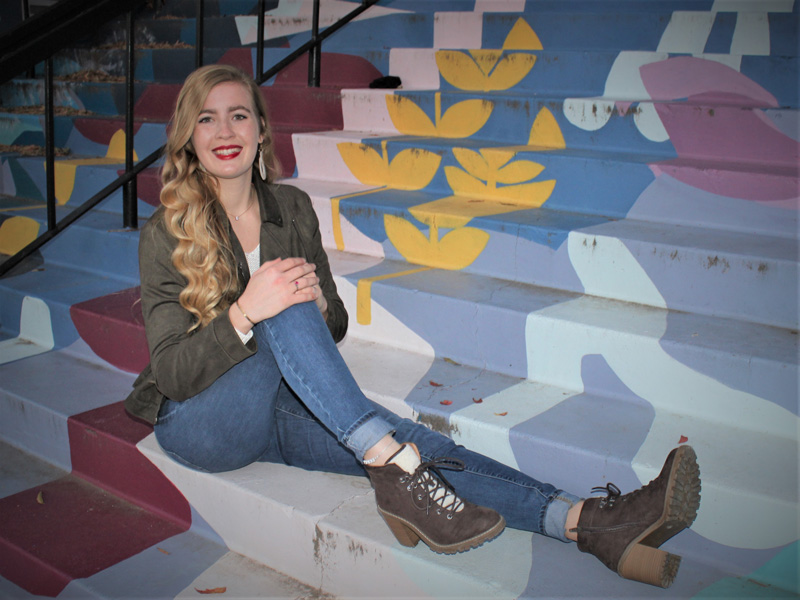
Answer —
295 403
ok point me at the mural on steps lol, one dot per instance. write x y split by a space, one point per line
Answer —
592 214
703 113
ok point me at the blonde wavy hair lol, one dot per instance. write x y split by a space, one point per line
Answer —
204 254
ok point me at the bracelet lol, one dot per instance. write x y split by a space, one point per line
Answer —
379 454
244 314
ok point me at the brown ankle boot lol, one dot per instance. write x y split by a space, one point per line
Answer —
624 532
421 504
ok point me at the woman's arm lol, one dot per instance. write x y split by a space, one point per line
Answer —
183 364
308 225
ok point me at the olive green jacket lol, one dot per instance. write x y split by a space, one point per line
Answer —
184 364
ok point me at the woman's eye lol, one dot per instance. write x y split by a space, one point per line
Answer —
204 120
239 117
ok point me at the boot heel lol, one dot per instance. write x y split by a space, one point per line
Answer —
650 565
404 534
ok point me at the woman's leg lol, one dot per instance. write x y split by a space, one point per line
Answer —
311 363
524 502
229 424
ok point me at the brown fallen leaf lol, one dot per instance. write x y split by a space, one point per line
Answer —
683 439
477 400
446 402
40 497
434 384
451 361
217 590
162 550
502 414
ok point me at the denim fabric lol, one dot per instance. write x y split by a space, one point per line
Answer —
254 412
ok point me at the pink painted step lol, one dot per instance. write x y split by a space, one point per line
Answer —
113 328
114 505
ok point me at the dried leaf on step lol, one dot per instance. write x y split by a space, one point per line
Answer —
434 384
451 361
217 590
502 414
683 439
446 402
477 400
40 497
162 551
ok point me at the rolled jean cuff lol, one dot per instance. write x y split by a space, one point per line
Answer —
555 516
370 429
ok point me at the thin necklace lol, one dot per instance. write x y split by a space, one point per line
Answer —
249 206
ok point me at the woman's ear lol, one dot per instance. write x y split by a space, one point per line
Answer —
263 129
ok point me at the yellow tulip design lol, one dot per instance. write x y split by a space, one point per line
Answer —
461 120
484 170
491 70
453 251
483 70
410 169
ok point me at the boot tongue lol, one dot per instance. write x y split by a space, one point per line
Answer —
406 459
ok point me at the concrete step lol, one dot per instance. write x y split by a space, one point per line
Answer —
328 537
707 270
185 562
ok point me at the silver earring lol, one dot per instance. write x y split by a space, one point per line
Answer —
262 168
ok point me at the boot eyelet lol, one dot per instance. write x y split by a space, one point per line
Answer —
449 516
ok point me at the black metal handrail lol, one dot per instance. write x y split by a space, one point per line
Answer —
35 28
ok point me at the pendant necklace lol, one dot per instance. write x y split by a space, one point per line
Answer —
249 206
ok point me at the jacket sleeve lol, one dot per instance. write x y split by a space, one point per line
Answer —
183 364
308 223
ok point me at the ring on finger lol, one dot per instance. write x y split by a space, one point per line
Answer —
296 284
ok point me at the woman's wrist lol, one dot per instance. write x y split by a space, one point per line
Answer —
239 318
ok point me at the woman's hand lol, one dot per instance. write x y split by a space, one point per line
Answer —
274 287
311 282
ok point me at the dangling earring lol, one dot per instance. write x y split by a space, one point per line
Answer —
262 168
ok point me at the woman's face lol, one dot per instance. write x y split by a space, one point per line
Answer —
227 132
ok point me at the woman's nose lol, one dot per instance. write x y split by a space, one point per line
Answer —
224 130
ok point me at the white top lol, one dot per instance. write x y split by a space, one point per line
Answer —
253 263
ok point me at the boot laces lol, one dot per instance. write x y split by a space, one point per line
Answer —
428 485
612 493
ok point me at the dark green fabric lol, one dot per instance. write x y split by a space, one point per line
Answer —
183 364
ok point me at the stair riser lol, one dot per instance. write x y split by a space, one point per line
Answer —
493 336
85 137
607 185
728 283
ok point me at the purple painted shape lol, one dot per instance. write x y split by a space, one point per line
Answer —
730 135
775 190
691 77
587 439
722 135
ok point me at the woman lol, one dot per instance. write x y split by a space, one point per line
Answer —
242 318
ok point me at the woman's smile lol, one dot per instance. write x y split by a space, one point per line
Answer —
227 152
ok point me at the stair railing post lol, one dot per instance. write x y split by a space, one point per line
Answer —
315 54
130 215
198 29
49 143
260 44
26 14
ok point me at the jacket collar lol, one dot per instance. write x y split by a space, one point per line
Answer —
270 211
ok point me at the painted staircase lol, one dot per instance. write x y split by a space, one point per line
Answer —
569 241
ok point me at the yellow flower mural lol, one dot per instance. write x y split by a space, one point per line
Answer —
410 169
461 120
491 70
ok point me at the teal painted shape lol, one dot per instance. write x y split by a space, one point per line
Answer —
25 184
776 579
13 128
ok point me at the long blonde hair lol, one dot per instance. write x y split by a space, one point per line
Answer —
204 255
